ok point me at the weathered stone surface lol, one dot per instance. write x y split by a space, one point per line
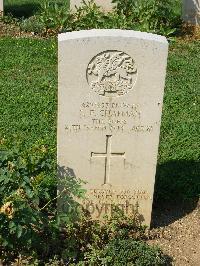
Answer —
191 11
1 7
111 86
105 4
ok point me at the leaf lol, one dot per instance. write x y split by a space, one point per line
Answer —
12 225
19 231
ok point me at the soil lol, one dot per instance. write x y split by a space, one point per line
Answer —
13 30
6 31
176 230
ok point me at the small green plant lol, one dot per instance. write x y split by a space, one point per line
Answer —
153 16
88 16
21 221
125 252
54 17
29 223
9 19
33 24
88 235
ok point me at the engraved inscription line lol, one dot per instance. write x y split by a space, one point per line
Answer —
108 155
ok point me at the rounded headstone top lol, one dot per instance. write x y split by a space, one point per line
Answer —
112 33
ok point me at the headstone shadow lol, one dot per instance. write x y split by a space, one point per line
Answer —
177 191
22 10
68 189
68 186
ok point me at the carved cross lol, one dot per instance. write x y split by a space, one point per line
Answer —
108 155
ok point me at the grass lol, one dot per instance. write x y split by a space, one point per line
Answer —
28 107
180 127
28 91
178 172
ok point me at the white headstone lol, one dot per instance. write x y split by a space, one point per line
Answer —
1 7
105 4
111 86
191 11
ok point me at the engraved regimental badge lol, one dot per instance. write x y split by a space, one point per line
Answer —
112 73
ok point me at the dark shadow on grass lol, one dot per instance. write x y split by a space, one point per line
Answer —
177 191
22 10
